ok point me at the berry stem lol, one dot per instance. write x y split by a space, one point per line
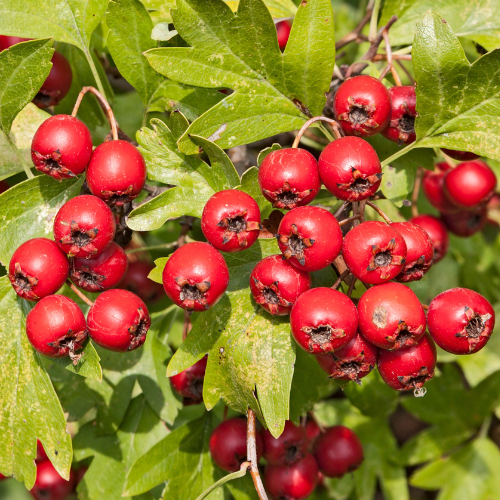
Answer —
372 35
335 126
416 190
351 287
341 209
80 294
354 35
342 277
390 66
349 219
425 307
234 475
379 211
252 456
400 153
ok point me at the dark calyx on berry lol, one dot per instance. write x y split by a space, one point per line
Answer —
139 329
80 240
239 225
88 279
475 328
191 293
119 198
417 380
383 258
51 165
270 295
23 283
322 334
287 197
295 244
361 183
71 342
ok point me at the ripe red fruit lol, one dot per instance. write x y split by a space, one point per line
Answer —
283 29
460 321
8 41
312 431
84 227
362 106
289 448
103 272
419 251
116 172
292 482
289 178
228 444
460 155
57 84
40 452
353 362
338 451
374 252
3 187
38 268
49 485
323 320
350 169
401 128
189 383
195 276
408 368
136 281
465 223
276 284
56 327
61 147
309 237
437 233
231 220
391 316
118 320
2 477
433 187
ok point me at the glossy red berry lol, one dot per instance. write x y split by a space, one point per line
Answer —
289 178
276 284
391 316
409 368
374 252
460 321
292 482
460 155
231 220
118 321
57 84
38 268
103 272
49 485
437 233
312 431
309 237
8 41
465 223
228 444
353 362
283 29
61 147
196 276
84 227
290 447
362 106
116 172
323 320
350 169
41 455
56 327
433 187
419 251
189 383
136 281
401 128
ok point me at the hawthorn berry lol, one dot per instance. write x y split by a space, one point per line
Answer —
231 220
312 431
57 84
56 327
49 485
437 233
401 128
61 147
323 320
2 477
283 29
309 237
276 284
460 321
465 223
362 106
350 169
460 155
433 187
289 178
290 447
41 455
116 172
374 252
189 383
38 268
8 41
136 281
119 320
84 227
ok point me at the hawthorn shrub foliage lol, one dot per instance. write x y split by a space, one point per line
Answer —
209 94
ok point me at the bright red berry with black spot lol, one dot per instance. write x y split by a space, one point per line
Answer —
283 30
136 281
460 155
350 169
401 128
433 187
289 178
57 84
118 321
465 223
195 276
460 321
290 447
231 220
49 485
38 268
189 383
437 233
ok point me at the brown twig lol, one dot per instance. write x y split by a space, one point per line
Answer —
337 131
379 211
354 35
349 219
252 456
425 307
414 195
390 65
186 327
405 69
340 279
351 287
341 209
80 294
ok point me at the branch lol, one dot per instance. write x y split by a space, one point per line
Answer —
379 211
337 131
79 293
252 456
354 35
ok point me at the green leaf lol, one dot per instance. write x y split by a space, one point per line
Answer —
88 365
250 185
156 273
265 152
397 184
277 8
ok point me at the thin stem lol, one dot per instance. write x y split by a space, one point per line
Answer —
414 195
252 456
164 246
485 427
395 57
327 132
405 69
379 211
95 74
400 153
354 34
404 50
186 327
425 307
341 209
308 123
374 21
224 416
349 219
27 170
351 286
234 475
80 294
390 65
340 279
362 206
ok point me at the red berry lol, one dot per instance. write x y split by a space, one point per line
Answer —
103 272
391 316
196 276
460 321
40 452
465 223
228 444
460 155
323 320
116 172
338 451
231 220
419 251
309 237
292 482
353 362
8 41
276 284
350 169
38 268
409 368
362 106
79 473
189 383
84 227
283 29
3 187
289 178
437 233
401 128
374 252
61 147
57 84
49 485
136 280
312 431
2 477
433 187
118 321
289 448
56 327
